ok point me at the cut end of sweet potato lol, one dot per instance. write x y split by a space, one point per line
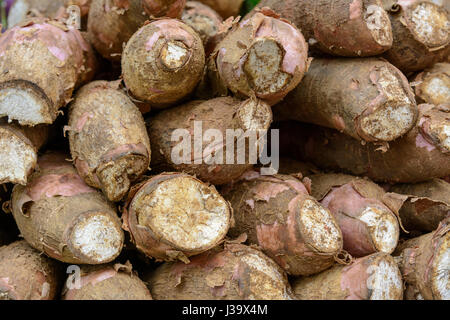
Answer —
319 228
430 24
186 213
385 281
255 115
17 158
96 238
383 228
379 25
24 102
174 55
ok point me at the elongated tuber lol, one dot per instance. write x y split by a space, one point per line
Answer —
236 272
25 274
368 99
195 119
58 214
18 150
278 214
375 277
365 213
421 32
111 23
163 62
349 28
422 154
108 139
45 61
425 205
424 263
173 216
110 282
226 8
433 85
263 56
204 20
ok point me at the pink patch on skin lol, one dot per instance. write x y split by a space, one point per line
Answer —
354 281
421 142
297 186
82 120
356 9
92 278
67 185
250 175
9 288
251 203
338 122
123 150
170 30
265 191
269 236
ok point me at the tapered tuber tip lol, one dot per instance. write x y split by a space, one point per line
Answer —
319 228
96 238
174 55
263 67
385 280
383 228
394 115
185 213
17 158
430 24
24 102
441 270
379 25
116 176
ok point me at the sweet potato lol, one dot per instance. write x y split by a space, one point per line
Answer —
250 116
111 23
236 272
110 282
226 8
54 9
366 214
263 56
375 277
58 214
424 263
204 20
163 62
433 85
425 205
291 227
108 139
172 216
45 61
368 99
349 28
18 150
25 274
422 154
421 32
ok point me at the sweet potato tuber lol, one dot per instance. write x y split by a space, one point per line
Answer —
375 277
173 216
424 263
421 34
45 61
422 154
110 282
163 62
226 8
236 272
108 138
111 23
204 20
426 204
223 114
365 213
25 274
278 214
348 28
433 85
368 99
262 56
18 150
57 213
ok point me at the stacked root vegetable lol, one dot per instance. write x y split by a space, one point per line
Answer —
96 204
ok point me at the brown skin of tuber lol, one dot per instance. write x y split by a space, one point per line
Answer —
226 8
